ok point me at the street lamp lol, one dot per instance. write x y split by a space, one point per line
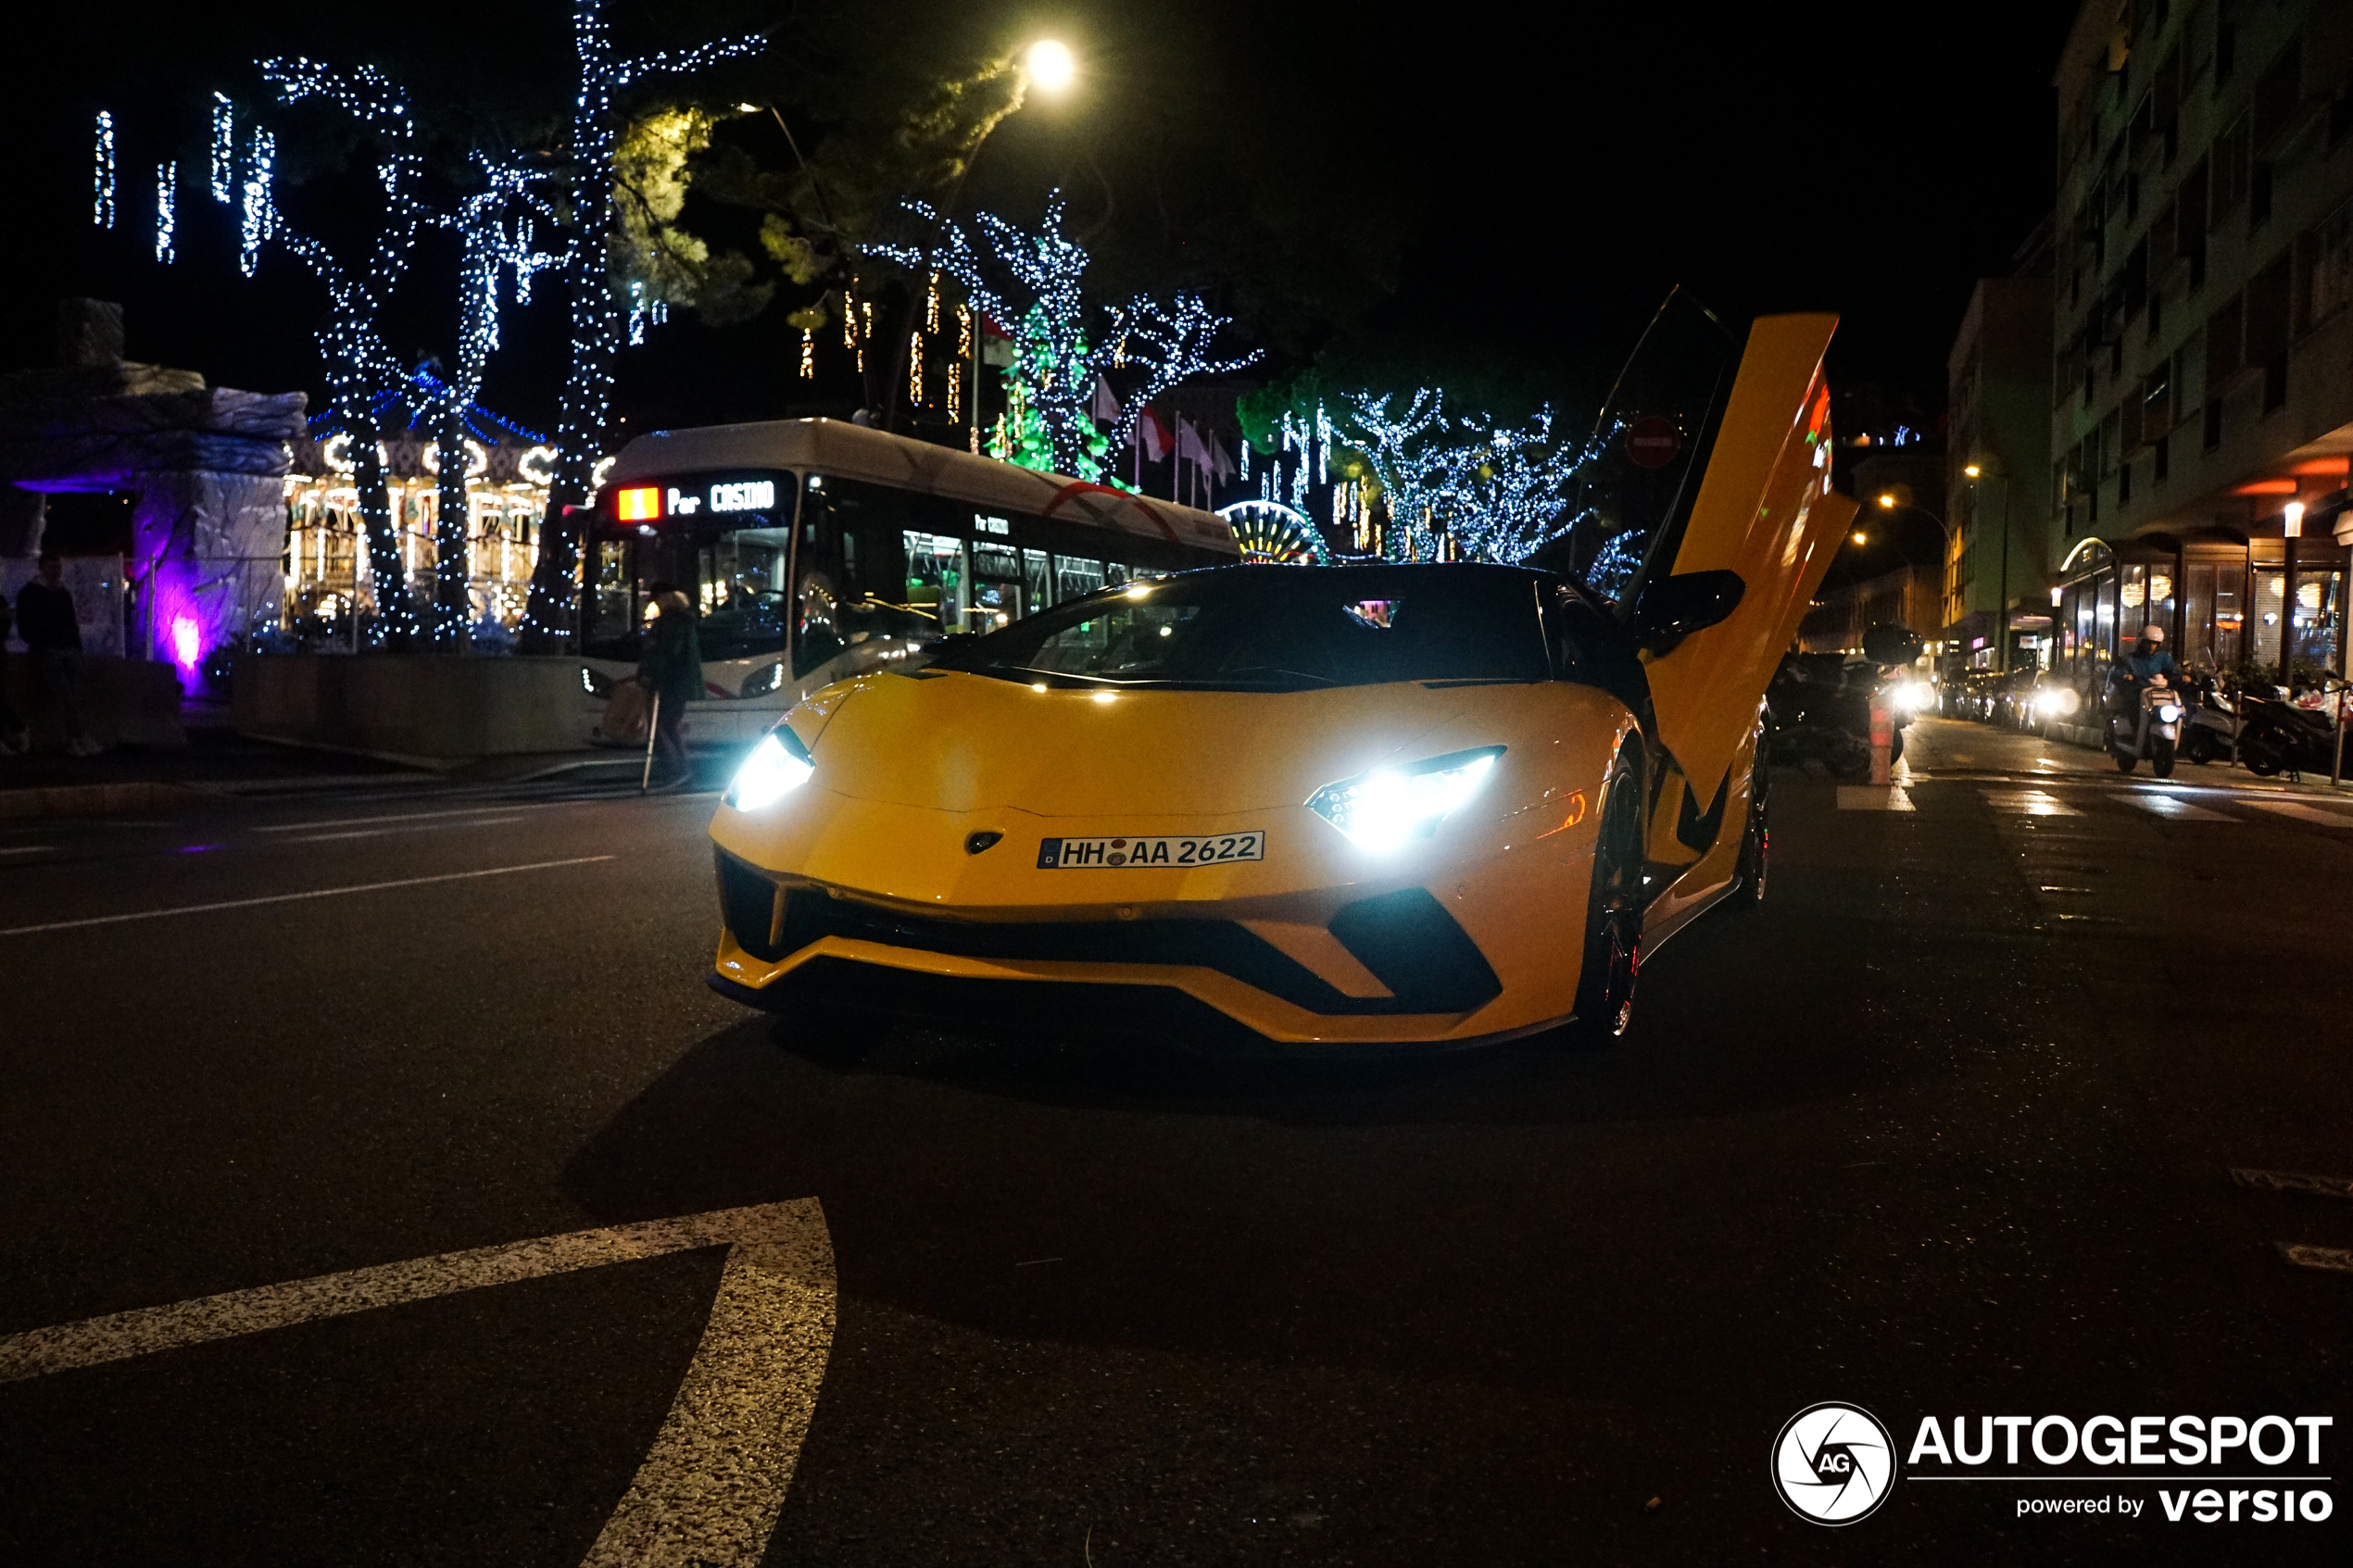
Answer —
1049 66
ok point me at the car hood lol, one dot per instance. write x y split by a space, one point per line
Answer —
957 741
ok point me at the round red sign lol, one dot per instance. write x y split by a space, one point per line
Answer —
1652 442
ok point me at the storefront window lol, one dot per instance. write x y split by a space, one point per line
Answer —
2271 590
2320 618
2197 626
2229 616
2104 628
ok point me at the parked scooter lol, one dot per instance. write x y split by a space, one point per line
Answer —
2209 724
2145 723
2276 736
1821 703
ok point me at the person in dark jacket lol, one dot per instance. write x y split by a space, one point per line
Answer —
12 735
672 671
46 622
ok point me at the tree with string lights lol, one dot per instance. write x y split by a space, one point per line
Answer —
599 317
1470 486
363 375
1062 344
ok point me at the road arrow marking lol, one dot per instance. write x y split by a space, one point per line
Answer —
710 1487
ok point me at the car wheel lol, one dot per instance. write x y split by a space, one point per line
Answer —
2161 757
1613 919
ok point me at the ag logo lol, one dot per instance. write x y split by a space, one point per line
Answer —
1833 1463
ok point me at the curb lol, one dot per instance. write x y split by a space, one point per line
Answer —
93 800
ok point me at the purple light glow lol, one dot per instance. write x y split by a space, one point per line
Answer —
187 644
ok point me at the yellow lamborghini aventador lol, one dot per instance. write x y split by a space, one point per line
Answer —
1348 804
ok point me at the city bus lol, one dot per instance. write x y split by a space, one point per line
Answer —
815 549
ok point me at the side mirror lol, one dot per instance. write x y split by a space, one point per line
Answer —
1673 608
1884 644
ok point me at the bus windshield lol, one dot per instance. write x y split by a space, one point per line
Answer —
1254 628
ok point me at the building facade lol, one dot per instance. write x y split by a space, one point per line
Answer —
2202 390
1998 444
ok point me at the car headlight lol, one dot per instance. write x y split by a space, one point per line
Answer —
1388 806
777 766
2169 714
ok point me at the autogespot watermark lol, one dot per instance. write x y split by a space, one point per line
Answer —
1834 1464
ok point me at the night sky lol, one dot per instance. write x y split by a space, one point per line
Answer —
1525 188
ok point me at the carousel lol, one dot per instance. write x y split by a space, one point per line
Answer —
328 588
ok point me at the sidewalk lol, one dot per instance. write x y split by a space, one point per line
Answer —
217 763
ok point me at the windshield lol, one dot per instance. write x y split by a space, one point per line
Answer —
1263 628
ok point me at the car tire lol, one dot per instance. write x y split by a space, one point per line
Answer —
2161 757
1613 956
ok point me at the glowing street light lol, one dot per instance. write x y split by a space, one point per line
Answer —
1861 537
1049 66
2293 515
1887 501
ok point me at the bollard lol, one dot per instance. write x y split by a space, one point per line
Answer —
1882 738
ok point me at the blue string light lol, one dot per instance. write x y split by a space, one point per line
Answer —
102 173
167 213
224 148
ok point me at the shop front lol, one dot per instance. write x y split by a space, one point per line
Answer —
2228 604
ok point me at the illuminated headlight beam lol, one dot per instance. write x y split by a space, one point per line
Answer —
1383 808
777 766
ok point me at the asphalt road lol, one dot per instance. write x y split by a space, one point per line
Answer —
1942 1129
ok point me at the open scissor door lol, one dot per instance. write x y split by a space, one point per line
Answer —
1712 454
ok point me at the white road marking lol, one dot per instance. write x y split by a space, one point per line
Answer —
379 833
1874 797
2177 809
2304 813
2032 802
712 1485
292 897
419 816
30 850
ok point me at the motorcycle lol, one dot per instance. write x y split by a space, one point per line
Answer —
2210 727
1821 703
2145 723
2277 737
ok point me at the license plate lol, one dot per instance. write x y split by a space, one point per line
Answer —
1087 854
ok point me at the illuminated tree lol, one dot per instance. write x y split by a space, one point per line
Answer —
1062 344
363 375
598 313
1468 487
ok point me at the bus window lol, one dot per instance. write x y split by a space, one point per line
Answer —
935 577
996 587
1036 580
1075 575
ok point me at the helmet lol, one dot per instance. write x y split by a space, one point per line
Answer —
2152 633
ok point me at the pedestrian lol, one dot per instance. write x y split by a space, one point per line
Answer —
12 735
670 669
46 620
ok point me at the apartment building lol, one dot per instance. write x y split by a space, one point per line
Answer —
2202 390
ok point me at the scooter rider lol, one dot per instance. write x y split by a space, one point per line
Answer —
2150 662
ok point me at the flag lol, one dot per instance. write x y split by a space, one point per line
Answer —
1151 436
1105 407
1189 448
1221 462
